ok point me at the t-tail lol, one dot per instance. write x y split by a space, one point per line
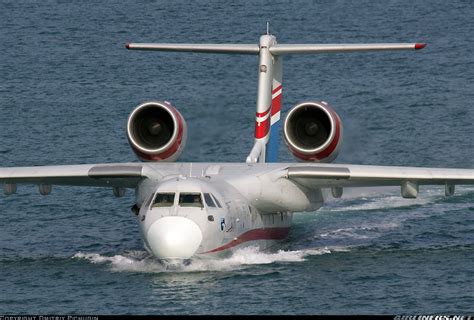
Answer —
270 81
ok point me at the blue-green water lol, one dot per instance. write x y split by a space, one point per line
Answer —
67 86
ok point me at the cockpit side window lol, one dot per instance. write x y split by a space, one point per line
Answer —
209 201
148 201
163 200
217 201
190 200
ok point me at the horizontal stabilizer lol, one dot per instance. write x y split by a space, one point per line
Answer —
203 48
276 49
281 49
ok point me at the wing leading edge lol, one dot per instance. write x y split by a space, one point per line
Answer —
408 178
124 175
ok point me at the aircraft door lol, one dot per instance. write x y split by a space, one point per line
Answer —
238 216
243 214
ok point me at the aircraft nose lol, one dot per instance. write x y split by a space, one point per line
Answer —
174 238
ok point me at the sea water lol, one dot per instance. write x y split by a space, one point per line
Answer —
68 84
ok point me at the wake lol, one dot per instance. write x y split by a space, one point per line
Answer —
140 261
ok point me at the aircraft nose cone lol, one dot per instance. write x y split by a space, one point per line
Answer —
174 238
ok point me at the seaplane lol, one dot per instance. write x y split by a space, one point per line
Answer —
188 210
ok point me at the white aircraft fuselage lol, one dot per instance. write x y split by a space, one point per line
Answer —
216 213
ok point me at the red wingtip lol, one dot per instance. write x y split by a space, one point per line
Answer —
127 45
419 46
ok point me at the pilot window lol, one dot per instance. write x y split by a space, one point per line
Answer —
148 201
190 200
163 200
217 201
208 199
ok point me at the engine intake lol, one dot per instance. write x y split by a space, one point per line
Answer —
313 131
157 131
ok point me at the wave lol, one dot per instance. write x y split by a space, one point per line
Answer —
359 232
140 261
380 203
388 198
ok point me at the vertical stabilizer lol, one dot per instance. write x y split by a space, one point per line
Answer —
275 123
264 100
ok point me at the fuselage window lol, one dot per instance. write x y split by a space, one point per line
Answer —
209 201
217 201
163 200
190 200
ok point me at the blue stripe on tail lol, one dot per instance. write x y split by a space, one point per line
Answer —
273 144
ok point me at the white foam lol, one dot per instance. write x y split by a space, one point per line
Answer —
386 202
139 262
361 232
387 198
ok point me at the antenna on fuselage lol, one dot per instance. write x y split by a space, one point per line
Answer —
268 28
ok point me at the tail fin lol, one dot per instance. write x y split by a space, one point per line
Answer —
275 123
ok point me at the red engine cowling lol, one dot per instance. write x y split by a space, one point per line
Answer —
313 131
156 131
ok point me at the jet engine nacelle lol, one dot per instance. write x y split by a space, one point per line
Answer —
156 131
313 131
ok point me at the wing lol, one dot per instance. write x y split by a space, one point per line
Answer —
408 178
125 175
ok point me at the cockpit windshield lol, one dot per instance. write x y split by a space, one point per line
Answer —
163 200
191 199
208 199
